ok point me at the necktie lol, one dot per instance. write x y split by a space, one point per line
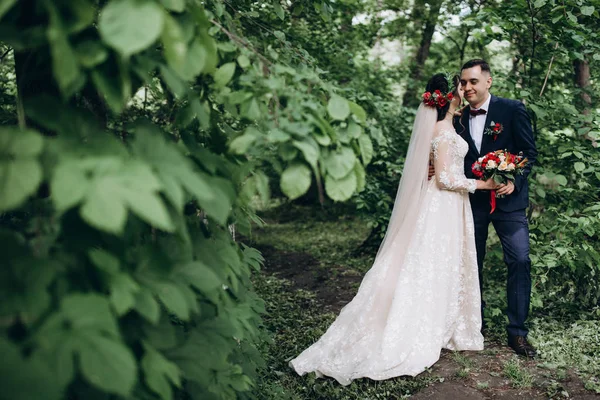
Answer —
475 113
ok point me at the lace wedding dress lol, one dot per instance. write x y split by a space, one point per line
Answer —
408 308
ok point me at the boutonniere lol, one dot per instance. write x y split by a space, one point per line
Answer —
494 130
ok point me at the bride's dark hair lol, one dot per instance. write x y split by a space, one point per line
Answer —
439 82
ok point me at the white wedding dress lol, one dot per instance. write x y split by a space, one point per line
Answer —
408 308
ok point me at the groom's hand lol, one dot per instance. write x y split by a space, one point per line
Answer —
505 189
431 170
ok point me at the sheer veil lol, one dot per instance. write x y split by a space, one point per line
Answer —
412 187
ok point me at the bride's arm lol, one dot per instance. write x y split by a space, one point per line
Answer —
449 176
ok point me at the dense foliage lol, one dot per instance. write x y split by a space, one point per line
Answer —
142 130
146 132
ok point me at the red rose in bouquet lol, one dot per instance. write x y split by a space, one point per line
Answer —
500 165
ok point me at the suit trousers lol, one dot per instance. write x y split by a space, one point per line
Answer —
513 232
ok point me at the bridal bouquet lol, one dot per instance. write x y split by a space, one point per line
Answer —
500 165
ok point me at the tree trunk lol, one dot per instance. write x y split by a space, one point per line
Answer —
582 80
410 97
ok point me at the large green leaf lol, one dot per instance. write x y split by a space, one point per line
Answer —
102 209
174 5
107 364
341 189
91 53
309 149
338 107
173 299
20 170
200 276
6 5
160 373
366 148
295 180
22 378
147 306
358 112
69 185
177 174
89 311
65 64
224 74
340 162
175 47
130 26
240 144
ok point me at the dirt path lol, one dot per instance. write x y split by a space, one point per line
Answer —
494 373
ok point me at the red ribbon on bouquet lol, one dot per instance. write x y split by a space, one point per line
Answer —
493 200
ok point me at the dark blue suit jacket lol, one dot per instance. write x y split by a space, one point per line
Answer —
516 136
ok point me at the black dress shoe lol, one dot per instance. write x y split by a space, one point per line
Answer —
521 346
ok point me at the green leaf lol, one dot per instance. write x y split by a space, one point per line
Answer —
160 373
26 378
6 5
105 261
295 180
175 47
130 26
587 10
539 3
91 53
174 5
69 184
243 61
279 10
358 112
540 192
579 166
123 290
340 162
20 171
173 299
177 85
361 177
108 364
338 107
110 87
224 74
198 275
103 210
341 189
366 148
561 180
354 130
310 150
251 109
147 306
240 144
89 311
65 66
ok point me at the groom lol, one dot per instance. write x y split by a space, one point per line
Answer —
513 133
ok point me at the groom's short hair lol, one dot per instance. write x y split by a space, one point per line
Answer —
485 67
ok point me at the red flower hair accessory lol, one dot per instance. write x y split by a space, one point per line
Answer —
437 99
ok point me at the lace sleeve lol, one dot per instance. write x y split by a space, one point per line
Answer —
449 171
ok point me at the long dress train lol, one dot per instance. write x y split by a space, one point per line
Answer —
407 310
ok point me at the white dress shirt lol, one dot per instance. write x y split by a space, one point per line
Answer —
477 123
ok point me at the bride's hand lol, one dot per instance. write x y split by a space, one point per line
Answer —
490 184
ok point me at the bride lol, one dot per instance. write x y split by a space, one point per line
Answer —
422 292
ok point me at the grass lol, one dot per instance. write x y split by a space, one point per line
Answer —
518 375
465 363
331 238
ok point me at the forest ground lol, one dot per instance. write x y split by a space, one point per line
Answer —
313 269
